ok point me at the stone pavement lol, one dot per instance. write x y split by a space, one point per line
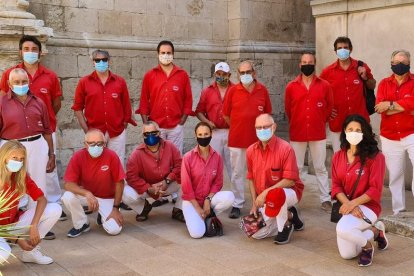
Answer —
161 246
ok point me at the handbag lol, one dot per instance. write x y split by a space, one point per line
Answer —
213 225
250 224
335 215
369 94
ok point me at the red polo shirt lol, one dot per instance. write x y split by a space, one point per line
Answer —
266 167
19 120
106 107
145 169
308 110
211 105
243 107
399 125
97 175
371 182
348 92
44 84
201 177
12 215
166 99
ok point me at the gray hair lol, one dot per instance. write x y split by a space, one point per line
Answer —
102 52
401 52
150 123
267 116
17 71
93 131
250 62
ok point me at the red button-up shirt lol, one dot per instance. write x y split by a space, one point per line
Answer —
266 167
97 175
211 105
371 182
166 99
201 177
243 107
348 92
19 120
12 215
144 169
106 107
44 85
399 125
308 110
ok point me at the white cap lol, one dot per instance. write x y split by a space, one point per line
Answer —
222 66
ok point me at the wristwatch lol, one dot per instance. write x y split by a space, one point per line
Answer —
168 181
391 107
209 198
117 206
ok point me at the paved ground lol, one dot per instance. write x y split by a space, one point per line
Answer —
161 246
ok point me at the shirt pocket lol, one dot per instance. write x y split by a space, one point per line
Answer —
273 176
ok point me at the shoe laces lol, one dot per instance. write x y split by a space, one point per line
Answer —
366 254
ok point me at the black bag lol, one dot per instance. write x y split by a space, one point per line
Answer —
369 95
213 225
335 215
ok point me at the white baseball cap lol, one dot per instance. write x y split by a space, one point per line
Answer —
222 66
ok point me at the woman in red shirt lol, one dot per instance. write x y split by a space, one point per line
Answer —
201 182
36 221
359 160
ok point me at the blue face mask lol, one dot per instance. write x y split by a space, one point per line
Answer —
101 66
14 166
343 54
30 57
264 134
152 140
95 151
246 79
21 90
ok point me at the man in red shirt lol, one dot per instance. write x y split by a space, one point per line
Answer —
243 103
166 96
308 105
210 111
44 84
395 103
273 178
347 79
153 170
94 177
102 102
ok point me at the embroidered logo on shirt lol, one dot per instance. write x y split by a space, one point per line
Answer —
39 123
260 108
214 172
356 81
105 168
319 104
43 90
175 88
114 95
275 178
357 172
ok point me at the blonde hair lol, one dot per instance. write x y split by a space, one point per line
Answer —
20 176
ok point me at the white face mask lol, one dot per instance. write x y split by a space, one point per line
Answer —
246 79
354 138
165 59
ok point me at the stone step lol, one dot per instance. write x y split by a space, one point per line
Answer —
401 224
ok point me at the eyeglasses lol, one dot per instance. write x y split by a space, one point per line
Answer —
263 127
93 144
100 59
248 72
146 134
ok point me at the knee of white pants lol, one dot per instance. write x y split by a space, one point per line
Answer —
53 210
5 251
346 255
111 227
68 197
196 232
343 229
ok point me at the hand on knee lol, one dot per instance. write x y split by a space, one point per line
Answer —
111 227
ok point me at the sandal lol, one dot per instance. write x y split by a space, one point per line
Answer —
177 214
144 214
160 202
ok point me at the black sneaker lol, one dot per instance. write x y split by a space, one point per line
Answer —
160 202
125 207
63 216
144 214
366 257
284 236
77 232
235 213
99 220
298 224
50 236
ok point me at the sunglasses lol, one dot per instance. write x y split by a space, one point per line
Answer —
93 144
100 59
146 134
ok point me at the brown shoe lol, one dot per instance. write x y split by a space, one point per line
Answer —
144 214
327 206
177 214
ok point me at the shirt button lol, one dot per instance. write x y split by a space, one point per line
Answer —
349 108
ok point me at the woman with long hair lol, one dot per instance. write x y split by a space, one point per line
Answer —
359 164
29 227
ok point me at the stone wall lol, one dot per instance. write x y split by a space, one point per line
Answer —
272 32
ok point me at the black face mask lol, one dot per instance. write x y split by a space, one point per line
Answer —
204 142
400 69
307 69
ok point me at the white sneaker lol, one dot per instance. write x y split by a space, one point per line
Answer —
35 256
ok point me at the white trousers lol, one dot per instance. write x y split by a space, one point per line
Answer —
137 201
53 190
353 233
335 140
318 153
219 142
276 224
74 203
394 152
48 219
196 227
117 144
238 177
174 135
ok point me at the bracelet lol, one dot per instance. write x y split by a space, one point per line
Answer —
52 154
117 206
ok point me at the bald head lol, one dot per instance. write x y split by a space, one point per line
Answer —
94 135
264 119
